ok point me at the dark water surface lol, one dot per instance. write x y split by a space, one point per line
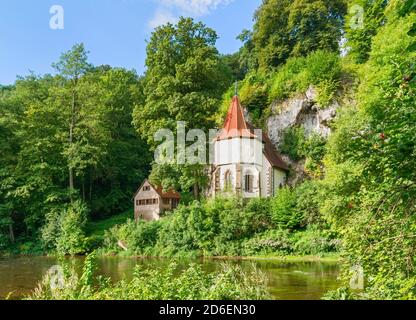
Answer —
287 280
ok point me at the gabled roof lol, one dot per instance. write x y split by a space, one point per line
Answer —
270 152
235 125
272 155
171 194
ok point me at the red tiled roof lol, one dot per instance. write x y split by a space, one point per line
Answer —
235 125
171 194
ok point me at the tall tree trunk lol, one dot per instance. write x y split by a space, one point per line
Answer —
196 191
90 193
11 232
71 139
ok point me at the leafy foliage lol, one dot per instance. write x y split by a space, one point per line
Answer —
184 81
283 208
321 69
42 169
360 36
64 230
285 29
225 226
370 181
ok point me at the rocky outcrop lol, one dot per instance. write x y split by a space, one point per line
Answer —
300 111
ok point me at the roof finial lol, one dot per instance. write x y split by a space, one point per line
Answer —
236 88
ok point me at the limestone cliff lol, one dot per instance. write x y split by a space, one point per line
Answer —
303 111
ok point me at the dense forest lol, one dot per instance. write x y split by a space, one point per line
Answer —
75 145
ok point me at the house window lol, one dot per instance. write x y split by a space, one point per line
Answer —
166 201
227 180
248 183
175 203
146 188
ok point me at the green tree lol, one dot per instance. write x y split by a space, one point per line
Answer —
359 37
184 81
71 66
106 157
370 180
286 28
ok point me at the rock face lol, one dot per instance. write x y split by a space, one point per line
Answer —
300 111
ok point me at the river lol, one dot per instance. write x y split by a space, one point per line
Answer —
286 280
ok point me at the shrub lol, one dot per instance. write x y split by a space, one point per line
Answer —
321 69
314 150
71 239
283 209
314 241
223 226
271 241
308 200
139 237
64 230
293 143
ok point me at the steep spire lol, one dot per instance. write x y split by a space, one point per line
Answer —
235 125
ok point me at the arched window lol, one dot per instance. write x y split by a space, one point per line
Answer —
228 180
248 183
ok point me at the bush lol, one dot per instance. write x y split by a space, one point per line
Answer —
139 237
271 241
225 227
64 230
321 69
293 142
283 209
308 200
314 241
212 227
314 149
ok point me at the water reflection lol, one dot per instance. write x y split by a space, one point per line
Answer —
286 280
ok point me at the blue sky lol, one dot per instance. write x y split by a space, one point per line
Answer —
114 31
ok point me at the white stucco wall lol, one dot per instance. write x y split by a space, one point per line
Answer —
279 179
265 178
239 150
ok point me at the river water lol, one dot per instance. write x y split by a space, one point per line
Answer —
286 280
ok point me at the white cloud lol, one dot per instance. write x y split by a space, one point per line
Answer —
162 17
195 7
170 10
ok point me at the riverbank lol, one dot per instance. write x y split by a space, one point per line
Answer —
289 258
278 258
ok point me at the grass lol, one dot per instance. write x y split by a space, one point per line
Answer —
329 257
97 228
